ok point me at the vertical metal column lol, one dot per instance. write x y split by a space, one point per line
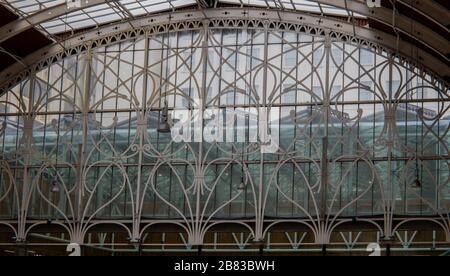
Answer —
324 158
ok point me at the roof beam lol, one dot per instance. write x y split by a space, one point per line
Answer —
22 24
401 23
424 34
431 63
430 9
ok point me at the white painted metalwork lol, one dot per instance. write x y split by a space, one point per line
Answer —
357 126
234 18
56 17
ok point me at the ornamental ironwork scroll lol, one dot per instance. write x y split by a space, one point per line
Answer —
355 131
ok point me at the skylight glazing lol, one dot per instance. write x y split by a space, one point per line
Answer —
124 9
28 7
299 5
95 15
110 12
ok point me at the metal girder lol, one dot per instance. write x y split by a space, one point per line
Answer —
22 24
386 41
430 9
401 23
294 241
206 3
290 238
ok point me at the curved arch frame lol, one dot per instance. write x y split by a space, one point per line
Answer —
420 32
199 25
231 18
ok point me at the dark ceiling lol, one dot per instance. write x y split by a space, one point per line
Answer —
21 45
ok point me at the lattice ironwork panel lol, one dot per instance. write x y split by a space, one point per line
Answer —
297 127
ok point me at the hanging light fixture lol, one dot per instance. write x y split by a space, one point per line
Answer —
55 185
417 183
164 126
242 185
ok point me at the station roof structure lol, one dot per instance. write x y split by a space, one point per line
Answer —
29 25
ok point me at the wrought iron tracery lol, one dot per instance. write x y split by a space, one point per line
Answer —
354 126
